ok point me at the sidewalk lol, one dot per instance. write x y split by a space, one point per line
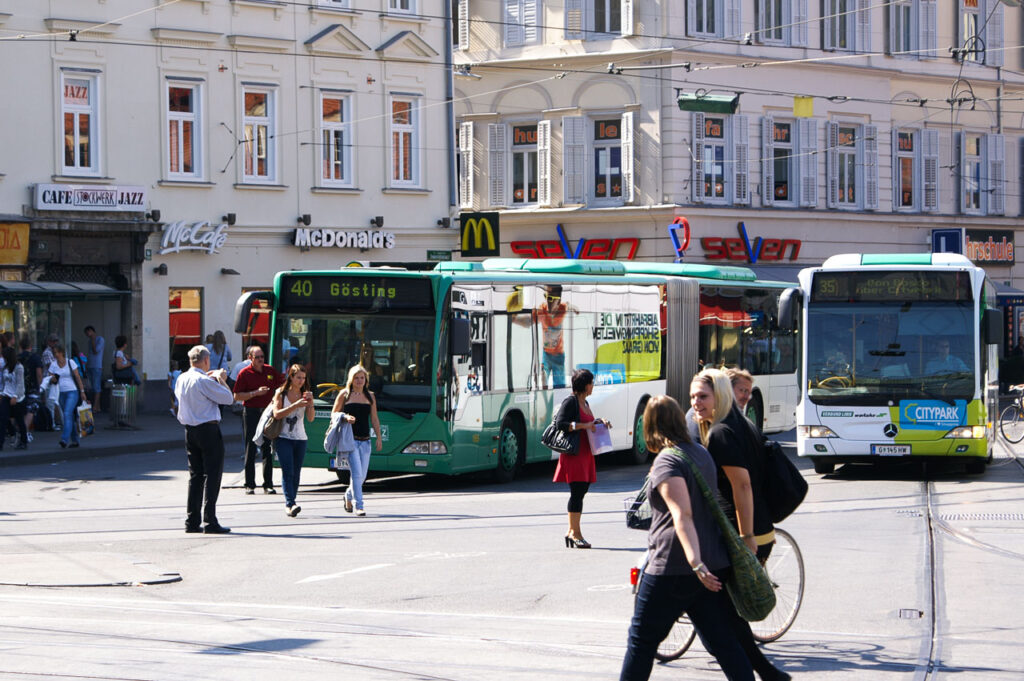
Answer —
151 432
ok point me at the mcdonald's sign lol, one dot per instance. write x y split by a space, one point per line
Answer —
480 235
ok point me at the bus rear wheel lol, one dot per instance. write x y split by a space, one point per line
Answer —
755 411
823 467
511 450
638 454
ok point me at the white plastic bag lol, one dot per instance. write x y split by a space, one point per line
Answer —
600 439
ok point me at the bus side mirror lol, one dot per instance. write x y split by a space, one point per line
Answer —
458 339
789 309
243 308
992 325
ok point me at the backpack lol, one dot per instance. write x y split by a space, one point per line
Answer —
784 487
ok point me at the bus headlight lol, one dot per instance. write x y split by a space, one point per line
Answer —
816 431
967 433
432 447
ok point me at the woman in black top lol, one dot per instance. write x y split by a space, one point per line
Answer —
688 561
730 438
359 407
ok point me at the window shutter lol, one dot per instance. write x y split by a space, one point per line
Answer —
697 152
463 24
573 158
761 20
741 155
767 161
828 31
497 149
574 26
832 165
961 171
628 164
626 20
801 16
733 27
930 170
996 152
807 162
870 150
894 148
863 38
928 31
530 21
691 18
513 23
466 165
994 33
544 163
890 28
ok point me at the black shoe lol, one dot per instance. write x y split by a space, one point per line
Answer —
216 529
63 444
192 530
21 445
250 490
73 445
294 510
269 490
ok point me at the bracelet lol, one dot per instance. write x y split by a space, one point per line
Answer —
746 536
699 567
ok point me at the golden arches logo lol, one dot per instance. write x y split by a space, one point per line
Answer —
477 228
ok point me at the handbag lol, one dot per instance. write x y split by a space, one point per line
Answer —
86 424
783 486
749 587
272 428
121 375
560 441
638 508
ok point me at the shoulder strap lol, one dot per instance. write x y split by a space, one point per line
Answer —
723 523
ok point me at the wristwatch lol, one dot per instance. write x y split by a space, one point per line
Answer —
572 425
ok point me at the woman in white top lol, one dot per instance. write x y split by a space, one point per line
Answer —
290 401
12 395
64 372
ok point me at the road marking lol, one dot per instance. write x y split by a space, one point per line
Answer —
320 578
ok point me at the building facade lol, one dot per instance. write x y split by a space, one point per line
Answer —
781 131
178 154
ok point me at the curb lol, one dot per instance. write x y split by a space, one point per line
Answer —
114 450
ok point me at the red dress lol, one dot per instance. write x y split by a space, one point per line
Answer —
578 467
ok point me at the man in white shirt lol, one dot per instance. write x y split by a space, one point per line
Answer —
200 393
945 363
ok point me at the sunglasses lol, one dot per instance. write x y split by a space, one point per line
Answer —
554 297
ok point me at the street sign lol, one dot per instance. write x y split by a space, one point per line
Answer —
948 240
440 256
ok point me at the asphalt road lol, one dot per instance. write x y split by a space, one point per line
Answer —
461 579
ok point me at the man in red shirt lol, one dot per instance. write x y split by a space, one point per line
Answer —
254 388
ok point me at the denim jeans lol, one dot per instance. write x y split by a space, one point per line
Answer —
359 464
553 364
660 600
290 454
68 402
95 379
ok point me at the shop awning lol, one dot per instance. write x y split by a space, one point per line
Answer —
58 291
1006 290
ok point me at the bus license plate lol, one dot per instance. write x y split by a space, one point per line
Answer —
890 450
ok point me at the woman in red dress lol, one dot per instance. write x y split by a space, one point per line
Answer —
577 469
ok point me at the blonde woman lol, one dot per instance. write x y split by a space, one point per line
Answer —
292 401
359 406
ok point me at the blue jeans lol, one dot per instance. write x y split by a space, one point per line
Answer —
68 402
659 602
555 365
290 454
359 464
95 379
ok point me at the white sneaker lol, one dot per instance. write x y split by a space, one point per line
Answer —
29 436
360 511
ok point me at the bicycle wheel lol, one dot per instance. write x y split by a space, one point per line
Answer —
786 570
678 641
1011 423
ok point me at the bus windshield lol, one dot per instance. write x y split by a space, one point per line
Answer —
397 351
873 353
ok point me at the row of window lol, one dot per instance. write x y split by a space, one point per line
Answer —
911 26
185 155
597 164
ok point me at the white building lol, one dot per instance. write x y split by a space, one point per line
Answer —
179 153
572 128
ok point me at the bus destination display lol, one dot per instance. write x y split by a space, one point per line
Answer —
882 287
373 294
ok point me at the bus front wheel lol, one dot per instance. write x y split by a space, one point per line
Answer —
823 467
638 454
511 449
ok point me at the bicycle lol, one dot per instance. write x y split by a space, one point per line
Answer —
1011 419
785 568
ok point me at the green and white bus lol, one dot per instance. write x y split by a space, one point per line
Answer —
899 361
459 359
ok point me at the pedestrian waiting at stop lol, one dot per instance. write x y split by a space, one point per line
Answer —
124 366
12 396
254 388
64 373
359 407
94 366
292 401
688 561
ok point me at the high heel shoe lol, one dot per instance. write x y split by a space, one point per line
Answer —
574 543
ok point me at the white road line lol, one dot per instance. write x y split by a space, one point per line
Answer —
320 578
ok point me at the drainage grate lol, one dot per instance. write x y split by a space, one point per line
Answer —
912 512
1017 517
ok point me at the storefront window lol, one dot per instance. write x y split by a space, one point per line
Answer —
257 330
184 323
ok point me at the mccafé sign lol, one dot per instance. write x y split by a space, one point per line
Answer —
586 249
741 249
196 236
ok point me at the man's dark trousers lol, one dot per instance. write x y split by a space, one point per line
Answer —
251 419
205 448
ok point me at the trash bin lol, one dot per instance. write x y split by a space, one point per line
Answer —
123 401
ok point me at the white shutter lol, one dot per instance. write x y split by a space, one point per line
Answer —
762 21
574 26
961 171
807 162
741 155
497 150
928 31
463 10
930 170
768 161
466 165
894 147
994 33
544 163
890 27
530 21
627 151
828 24
870 150
626 21
733 27
697 151
573 159
513 22
863 38
801 19
996 152
832 165
691 17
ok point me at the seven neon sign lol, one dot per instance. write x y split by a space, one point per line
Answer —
586 249
720 248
